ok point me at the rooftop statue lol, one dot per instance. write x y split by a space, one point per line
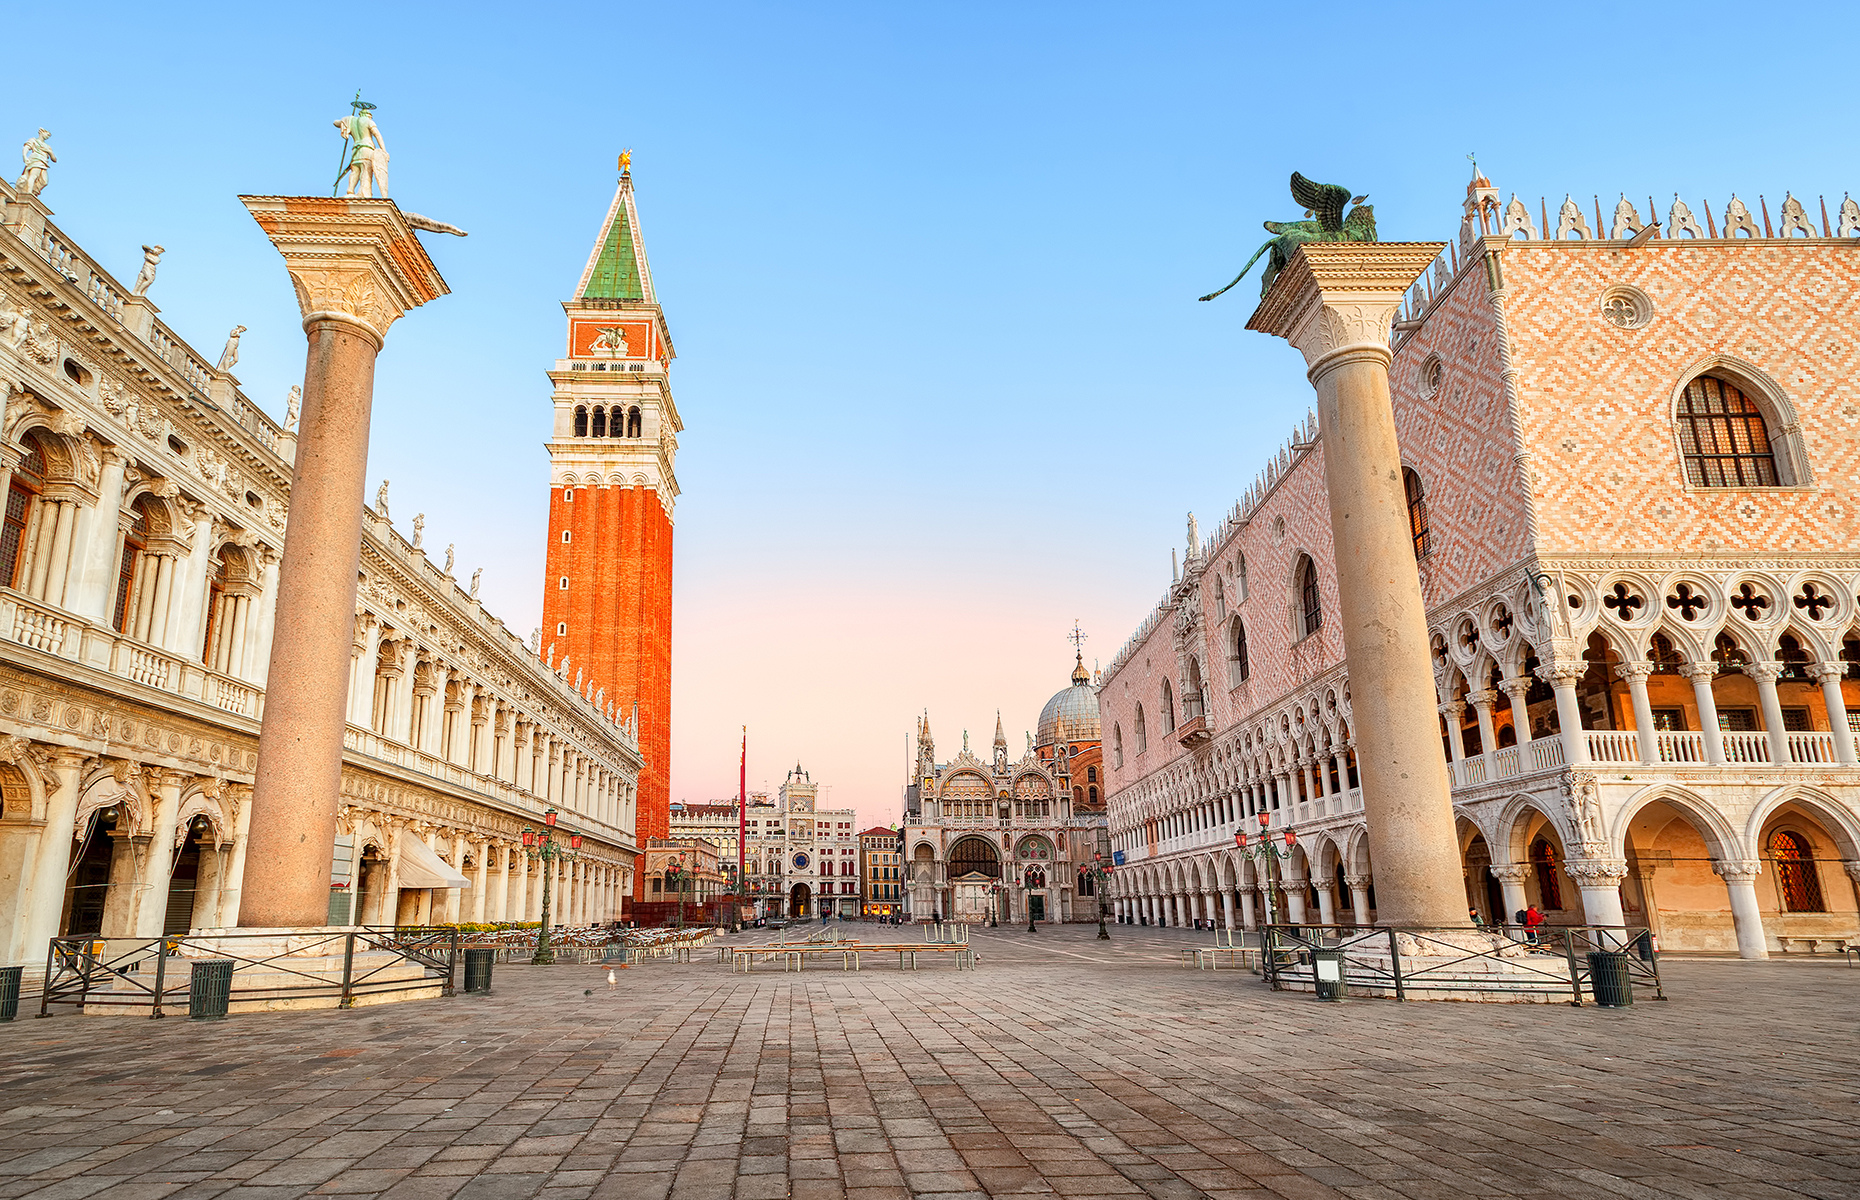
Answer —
1323 201
38 158
145 278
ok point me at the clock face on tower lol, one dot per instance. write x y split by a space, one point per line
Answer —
800 862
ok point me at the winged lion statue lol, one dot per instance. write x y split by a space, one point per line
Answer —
1326 222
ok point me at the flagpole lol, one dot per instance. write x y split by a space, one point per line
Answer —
742 821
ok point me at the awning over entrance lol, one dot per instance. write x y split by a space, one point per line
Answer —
421 868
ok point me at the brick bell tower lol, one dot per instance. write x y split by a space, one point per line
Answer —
607 594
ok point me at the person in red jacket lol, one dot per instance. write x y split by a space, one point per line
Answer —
1533 920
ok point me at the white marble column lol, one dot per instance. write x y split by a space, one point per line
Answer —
233 884
44 897
1516 689
97 544
1635 674
151 903
1740 881
1701 676
1227 908
1562 678
1766 675
1830 674
1599 881
1511 877
1249 916
1359 897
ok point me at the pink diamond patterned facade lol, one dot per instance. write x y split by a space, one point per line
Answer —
1645 684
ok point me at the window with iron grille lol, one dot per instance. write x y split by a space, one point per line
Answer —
1723 436
1417 511
1309 602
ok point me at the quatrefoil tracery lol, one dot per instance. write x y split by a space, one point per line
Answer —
1687 602
1624 602
1750 601
1813 601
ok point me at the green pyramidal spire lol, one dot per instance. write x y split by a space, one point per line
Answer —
617 270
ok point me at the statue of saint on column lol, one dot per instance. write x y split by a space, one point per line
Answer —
365 164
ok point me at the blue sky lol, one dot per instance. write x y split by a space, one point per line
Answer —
930 272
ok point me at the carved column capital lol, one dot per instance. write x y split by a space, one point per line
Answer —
1852 867
1831 672
352 260
1596 872
1763 671
1484 698
1699 671
1633 670
1740 870
1336 300
1510 872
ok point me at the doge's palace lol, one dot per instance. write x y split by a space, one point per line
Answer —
1630 454
146 498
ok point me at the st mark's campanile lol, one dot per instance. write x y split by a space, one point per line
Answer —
607 593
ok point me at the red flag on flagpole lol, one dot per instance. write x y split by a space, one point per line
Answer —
742 817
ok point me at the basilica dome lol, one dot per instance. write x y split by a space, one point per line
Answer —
1072 714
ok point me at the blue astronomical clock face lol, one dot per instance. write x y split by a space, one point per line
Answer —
800 862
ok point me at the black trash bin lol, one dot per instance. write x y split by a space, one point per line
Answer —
209 989
1643 945
9 992
478 962
1327 969
1609 978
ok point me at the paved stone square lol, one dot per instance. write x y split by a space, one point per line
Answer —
1063 1066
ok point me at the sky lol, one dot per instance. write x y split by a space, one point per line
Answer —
930 271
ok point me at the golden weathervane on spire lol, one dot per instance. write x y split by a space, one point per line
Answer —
626 161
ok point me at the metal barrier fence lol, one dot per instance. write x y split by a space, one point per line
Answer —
155 973
1552 962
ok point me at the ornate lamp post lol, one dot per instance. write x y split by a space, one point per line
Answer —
1099 872
994 905
546 847
1034 878
1265 852
675 878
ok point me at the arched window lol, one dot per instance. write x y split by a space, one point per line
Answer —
1665 658
1795 660
1310 603
1093 794
1239 579
1417 510
1091 774
600 422
1143 737
21 499
1723 437
135 545
216 593
1238 664
1543 863
632 422
581 421
1117 745
1168 707
1795 872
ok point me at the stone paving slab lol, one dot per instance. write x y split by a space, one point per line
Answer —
1062 1067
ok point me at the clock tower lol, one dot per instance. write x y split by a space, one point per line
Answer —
607 590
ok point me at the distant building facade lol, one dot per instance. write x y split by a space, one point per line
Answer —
881 866
1009 837
803 860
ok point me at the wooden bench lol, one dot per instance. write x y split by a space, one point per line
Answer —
851 954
